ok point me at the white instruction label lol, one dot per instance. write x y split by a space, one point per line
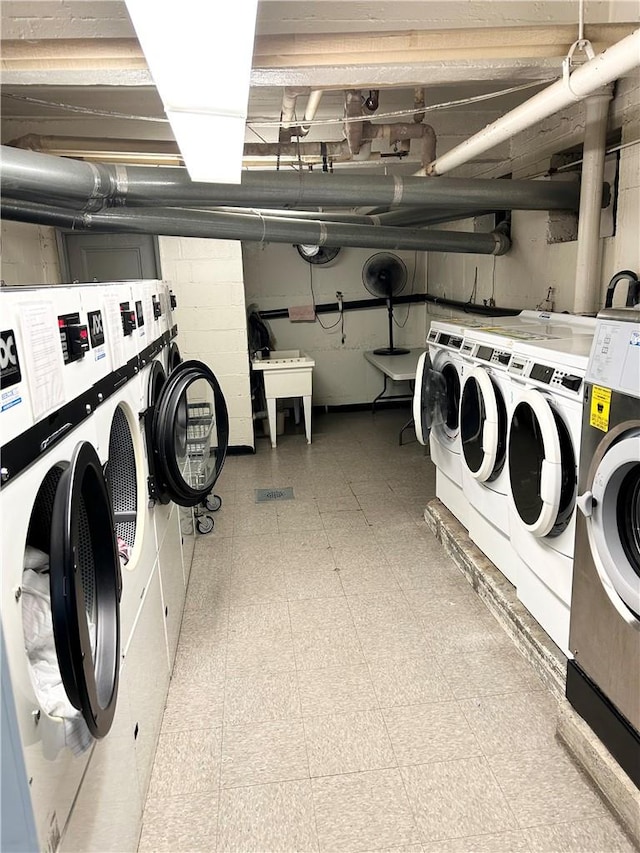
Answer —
43 357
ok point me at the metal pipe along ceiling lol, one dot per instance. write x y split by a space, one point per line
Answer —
42 177
254 227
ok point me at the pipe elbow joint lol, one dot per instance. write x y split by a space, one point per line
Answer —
502 243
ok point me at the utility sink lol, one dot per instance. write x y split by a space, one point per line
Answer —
282 359
287 373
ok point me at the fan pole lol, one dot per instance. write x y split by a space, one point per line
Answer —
391 349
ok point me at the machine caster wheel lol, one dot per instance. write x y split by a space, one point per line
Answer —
212 503
204 524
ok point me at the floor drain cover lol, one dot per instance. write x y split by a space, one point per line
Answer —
274 494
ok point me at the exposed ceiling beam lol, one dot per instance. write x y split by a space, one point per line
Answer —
325 60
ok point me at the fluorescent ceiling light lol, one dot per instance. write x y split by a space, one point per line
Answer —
199 53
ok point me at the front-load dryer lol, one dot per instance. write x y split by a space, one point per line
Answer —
543 451
61 584
436 404
484 414
603 681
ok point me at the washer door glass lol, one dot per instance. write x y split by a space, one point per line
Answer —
542 467
85 585
431 404
615 519
483 425
190 434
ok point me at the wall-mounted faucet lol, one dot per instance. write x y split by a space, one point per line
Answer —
633 293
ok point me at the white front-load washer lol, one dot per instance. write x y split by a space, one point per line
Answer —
543 452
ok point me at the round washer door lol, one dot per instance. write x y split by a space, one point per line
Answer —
430 398
614 523
189 434
483 425
85 584
542 467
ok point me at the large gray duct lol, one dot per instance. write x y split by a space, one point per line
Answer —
255 227
92 186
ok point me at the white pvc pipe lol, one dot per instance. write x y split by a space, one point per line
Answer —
616 61
587 286
312 106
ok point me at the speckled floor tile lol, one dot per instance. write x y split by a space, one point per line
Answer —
368 579
319 614
588 836
507 842
338 504
312 582
363 811
299 515
263 752
408 681
259 639
348 520
347 743
320 648
545 787
275 817
513 722
299 541
425 733
186 824
187 762
261 697
383 608
487 671
335 690
194 704
456 798
406 848
393 642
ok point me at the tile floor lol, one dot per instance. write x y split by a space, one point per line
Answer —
338 685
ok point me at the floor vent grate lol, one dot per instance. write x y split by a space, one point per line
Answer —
285 494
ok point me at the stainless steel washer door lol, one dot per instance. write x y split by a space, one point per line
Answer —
613 524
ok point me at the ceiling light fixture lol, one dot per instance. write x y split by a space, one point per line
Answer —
199 54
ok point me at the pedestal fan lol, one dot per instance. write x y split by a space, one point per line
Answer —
385 275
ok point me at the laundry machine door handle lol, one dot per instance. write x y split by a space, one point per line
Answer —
586 503
550 475
490 437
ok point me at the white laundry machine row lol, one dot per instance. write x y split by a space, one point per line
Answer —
603 681
543 453
486 405
436 404
74 618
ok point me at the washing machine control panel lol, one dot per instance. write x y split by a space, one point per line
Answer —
74 337
545 374
157 307
444 339
496 357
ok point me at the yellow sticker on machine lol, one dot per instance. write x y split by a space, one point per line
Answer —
600 407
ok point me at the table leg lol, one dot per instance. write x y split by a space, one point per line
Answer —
380 395
296 410
273 421
307 417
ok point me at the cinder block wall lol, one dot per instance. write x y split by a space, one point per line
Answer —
29 254
207 278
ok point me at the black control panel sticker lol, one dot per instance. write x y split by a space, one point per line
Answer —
139 313
9 362
96 328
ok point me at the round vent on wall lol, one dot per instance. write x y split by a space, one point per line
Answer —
313 254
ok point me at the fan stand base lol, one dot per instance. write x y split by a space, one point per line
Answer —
391 351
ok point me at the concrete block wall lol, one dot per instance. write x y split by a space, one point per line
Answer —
522 277
29 254
207 278
277 277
